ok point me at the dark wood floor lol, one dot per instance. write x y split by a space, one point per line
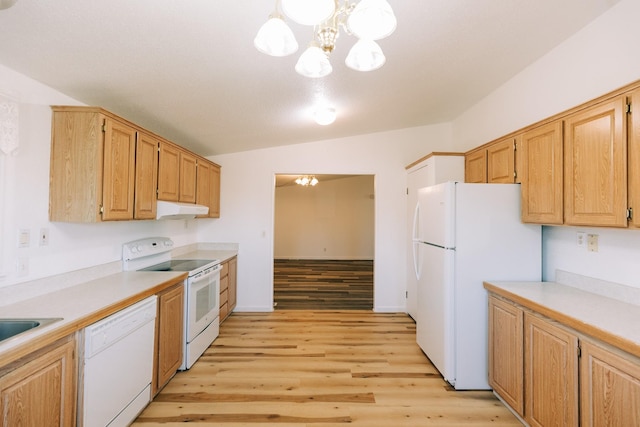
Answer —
319 369
323 284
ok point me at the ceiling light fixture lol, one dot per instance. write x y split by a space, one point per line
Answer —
368 20
325 116
306 181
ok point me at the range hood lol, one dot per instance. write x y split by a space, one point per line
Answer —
176 210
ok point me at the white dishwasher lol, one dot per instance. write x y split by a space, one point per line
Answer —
118 366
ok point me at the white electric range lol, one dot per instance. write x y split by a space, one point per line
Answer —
202 290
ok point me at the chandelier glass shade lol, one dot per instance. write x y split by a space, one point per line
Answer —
305 181
368 20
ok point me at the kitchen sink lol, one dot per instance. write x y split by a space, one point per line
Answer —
12 327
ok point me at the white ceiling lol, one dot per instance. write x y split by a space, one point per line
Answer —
187 69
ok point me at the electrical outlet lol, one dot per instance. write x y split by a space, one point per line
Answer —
22 267
44 236
592 242
581 237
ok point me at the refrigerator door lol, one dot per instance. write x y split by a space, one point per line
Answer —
437 209
434 326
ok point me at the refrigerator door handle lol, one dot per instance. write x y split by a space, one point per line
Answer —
416 249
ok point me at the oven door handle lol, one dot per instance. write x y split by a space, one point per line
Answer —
205 275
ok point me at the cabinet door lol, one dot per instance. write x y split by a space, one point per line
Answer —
506 367
146 177
501 162
475 167
203 185
188 168
169 335
595 172
214 207
118 171
633 146
541 174
168 172
41 392
551 374
233 281
610 388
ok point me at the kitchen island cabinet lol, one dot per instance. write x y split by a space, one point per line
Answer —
40 389
169 338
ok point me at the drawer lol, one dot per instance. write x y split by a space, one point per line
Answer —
224 297
224 310
224 283
225 270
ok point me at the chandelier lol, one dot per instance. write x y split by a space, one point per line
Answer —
368 20
305 181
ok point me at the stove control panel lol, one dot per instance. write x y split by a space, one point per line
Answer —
146 247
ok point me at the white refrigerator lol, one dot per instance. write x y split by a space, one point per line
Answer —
465 234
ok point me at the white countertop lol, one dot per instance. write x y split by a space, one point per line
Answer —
79 306
610 320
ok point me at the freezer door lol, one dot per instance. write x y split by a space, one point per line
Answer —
437 209
434 327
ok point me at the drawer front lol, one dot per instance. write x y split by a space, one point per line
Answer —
224 283
225 270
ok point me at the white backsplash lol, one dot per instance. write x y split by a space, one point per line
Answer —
613 290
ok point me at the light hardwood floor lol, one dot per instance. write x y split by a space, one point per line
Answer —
318 369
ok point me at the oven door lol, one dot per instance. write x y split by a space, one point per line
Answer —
203 301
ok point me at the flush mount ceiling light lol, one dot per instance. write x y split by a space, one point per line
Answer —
325 116
368 20
305 181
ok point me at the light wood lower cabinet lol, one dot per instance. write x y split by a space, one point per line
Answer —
552 376
228 287
506 352
41 389
610 387
551 373
169 336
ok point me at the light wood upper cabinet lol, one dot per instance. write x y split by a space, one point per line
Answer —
633 147
475 167
41 389
168 172
176 174
146 177
551 374
208 187
540 172
92 174
169 336
595 165
609 387
506 356
187 177
501 162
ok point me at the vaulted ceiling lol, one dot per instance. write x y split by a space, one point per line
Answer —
188 70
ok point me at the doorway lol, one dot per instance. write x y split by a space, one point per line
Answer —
324 242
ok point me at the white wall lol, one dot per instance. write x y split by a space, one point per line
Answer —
247 204
24 199
600 58
332 220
